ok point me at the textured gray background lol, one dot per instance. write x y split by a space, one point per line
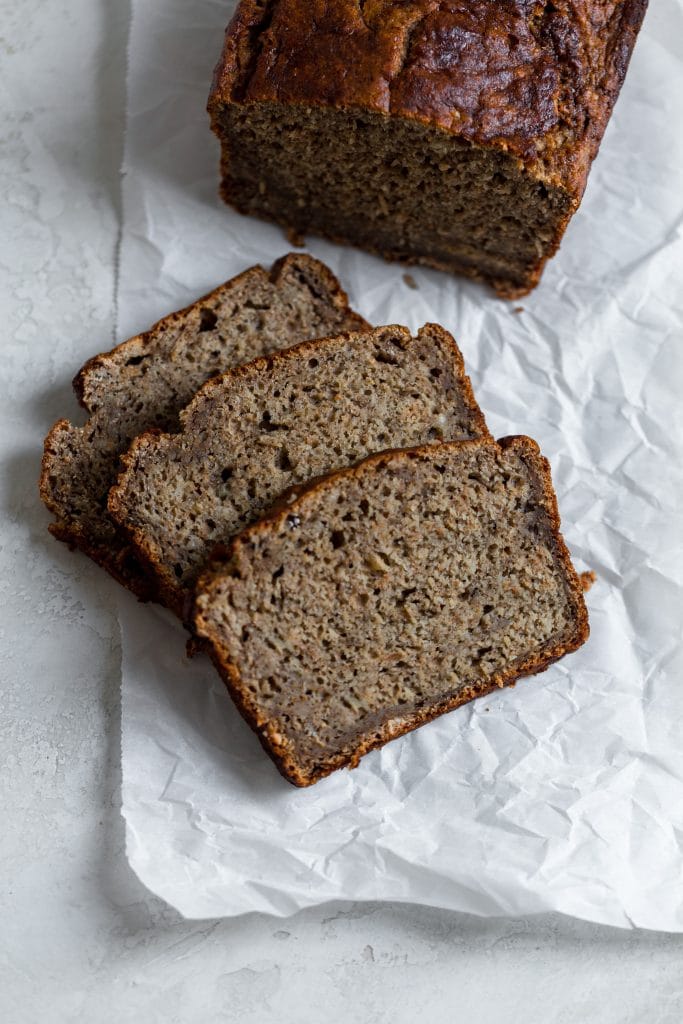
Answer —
80 939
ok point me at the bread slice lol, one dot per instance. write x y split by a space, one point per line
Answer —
254 432
146 381
388 594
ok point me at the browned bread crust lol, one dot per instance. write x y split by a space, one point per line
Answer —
228 561
145 381
534 81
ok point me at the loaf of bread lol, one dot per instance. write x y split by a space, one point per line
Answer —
146 381
249 435
387 594
454 133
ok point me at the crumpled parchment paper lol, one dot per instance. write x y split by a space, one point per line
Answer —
565 793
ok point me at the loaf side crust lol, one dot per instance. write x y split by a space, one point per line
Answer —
275 745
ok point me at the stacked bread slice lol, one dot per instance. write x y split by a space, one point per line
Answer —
145 382
332 520
387 594
251 434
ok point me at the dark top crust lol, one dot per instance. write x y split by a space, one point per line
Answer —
538 80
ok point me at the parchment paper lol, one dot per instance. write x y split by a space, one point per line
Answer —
566 792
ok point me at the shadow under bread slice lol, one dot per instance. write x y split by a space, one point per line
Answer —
251 434
387 594
146 381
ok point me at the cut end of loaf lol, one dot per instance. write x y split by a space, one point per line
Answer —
388 594
393 186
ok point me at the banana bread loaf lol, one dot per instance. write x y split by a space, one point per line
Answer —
455 133
390 593
249 435
146 381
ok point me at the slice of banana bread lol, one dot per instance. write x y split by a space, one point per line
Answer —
387 594
146 381
249 435
456 133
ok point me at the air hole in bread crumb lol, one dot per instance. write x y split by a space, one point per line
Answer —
283 461
364 506
279 572
338 539
136 360
226 474
268 425
178 569
207 319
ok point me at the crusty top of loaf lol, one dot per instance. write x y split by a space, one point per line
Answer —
538 80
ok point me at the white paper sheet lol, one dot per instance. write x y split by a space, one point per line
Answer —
565 793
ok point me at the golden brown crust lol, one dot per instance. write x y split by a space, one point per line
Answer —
537 80
588 579
119 558
166 587
276 745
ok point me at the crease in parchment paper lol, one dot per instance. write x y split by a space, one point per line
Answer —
564 793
